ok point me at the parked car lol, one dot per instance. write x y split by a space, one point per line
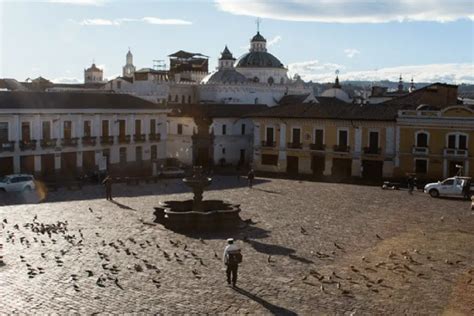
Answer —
171 172
17 183
454 186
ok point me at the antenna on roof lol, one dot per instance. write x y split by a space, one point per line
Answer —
258 21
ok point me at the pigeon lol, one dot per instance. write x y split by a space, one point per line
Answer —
5 221
303 231
337 246
269 259
99 282
89 273
378 236
90 210
215 255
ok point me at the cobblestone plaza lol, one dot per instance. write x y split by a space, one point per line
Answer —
308 248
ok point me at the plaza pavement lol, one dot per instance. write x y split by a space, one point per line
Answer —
309 248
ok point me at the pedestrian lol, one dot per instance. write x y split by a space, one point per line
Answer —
108 187
467 188
410 184
250 177
232 257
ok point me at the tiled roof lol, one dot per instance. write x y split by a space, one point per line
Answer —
216 110
415 98
293 98
330 108
72 100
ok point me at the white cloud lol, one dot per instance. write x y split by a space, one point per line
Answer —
153 20
274 41
118 22
449 73
351 52
79 2
352 11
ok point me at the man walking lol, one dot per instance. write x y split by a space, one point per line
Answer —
250 177
108 187
232 258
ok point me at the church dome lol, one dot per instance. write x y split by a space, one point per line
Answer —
259 59
227 76
258 38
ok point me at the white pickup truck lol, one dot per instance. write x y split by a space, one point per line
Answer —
450 187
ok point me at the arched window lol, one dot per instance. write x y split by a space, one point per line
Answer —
183 99
270 80
189 99
421 139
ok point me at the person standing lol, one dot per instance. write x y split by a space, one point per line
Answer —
232 257
108 187
250 177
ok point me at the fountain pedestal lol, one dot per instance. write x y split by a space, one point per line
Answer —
198 214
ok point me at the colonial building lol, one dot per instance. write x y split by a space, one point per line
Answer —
209 134
93 74
256 77
327 138
425 132
68 133
435 133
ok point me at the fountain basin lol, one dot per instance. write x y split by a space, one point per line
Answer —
213 215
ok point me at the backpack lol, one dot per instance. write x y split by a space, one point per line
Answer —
235 258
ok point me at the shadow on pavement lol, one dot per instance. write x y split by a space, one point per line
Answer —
276 250
123 206
274 309
91 192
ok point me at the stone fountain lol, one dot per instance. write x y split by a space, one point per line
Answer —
198 214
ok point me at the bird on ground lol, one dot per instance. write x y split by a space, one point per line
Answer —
90 210
378 236
89 273
5 221
303 231
337 246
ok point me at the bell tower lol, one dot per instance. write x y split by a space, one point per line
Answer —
129 69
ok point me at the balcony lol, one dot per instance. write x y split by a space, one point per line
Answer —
106 140
27 144
124 139
267 143
342 148
455 152
89 140
139 138
154 137
420 150
295 145
317 147
7 146
372 150
48 143
69 142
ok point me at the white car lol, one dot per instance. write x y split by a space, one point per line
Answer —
17 182
172 172
449 187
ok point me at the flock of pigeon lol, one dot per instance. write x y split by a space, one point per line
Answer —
56 241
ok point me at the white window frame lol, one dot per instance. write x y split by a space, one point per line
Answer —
348 135
102 127
31 128
373 130
314 134
50 128
456 141
427 139
92 126
427 164
274 134
301 133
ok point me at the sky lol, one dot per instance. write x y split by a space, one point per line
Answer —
429 40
